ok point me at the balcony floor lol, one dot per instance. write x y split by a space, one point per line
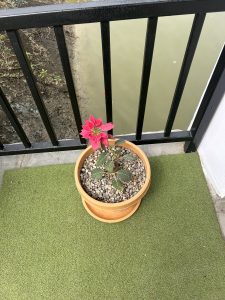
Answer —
172 248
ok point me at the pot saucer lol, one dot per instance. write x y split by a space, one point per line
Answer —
110 220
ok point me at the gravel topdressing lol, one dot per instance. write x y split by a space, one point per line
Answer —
102 189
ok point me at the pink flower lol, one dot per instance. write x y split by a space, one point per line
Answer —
93 130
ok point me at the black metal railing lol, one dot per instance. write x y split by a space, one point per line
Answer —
56 16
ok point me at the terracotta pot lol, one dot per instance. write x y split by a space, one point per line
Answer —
112 212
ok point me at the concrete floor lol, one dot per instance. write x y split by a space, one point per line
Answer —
63 157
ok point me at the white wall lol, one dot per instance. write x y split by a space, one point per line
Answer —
212 150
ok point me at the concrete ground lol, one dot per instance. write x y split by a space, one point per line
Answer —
63 157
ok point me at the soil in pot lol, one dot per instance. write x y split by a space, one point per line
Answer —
102 189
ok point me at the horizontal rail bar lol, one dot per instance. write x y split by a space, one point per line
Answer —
64 56
13 119
101 11
14 149
106 55
185 68
147 138
31 81
158 137
146 71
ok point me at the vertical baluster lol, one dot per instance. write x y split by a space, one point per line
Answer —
1 146
13 120
106 55
31 81
64 56
146 71
210 101
186 65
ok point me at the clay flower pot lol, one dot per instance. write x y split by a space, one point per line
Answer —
112 212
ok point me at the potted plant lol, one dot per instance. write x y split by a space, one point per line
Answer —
111 175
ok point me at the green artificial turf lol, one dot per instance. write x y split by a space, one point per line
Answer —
50 248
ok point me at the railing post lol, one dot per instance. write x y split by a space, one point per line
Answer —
146 72
185 68
106 56
64 56
20 52
4 103
210 101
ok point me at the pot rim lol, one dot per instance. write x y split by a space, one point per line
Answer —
142 191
